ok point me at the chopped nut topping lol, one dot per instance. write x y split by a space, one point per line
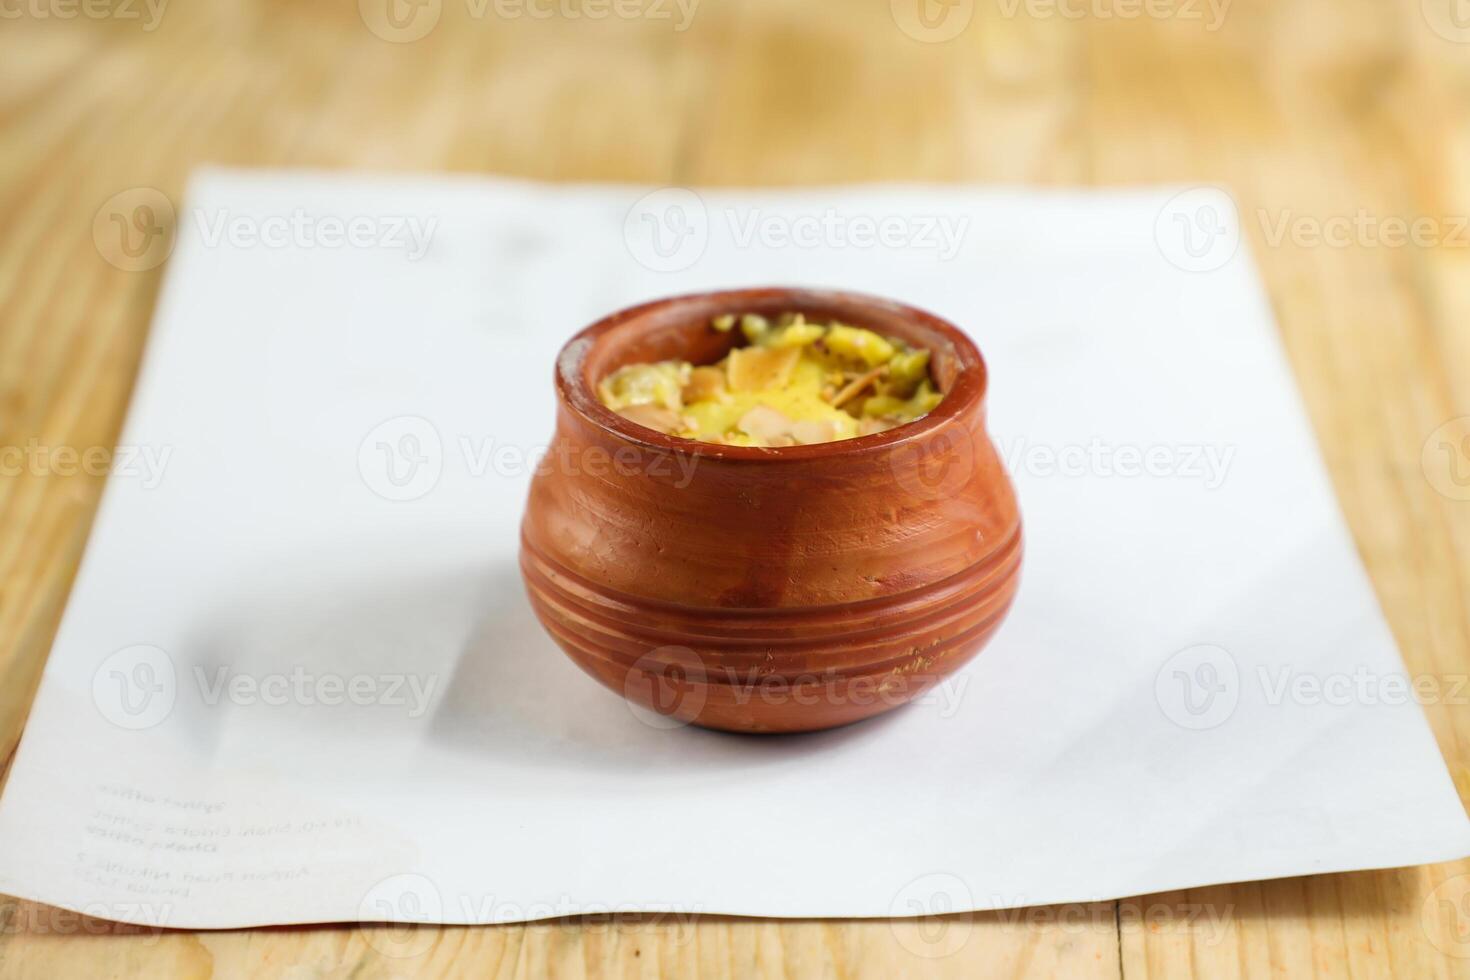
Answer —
810 431
705 384
857 384
754 326
906 370
858 344
656 417
755 368
645 384
867 427
764 422
796 383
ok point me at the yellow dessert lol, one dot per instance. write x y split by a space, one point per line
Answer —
794 384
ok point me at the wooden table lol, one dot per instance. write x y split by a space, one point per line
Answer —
1310 110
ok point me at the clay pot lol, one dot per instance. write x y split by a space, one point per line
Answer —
769 590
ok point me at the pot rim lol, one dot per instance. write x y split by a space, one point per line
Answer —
576 390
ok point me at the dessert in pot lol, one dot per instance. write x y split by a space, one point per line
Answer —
771 510
797 382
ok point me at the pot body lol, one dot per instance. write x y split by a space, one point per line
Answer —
770 590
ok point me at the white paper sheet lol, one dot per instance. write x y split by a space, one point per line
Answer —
340 438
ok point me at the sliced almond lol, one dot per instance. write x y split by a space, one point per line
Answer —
867 427
765 423
655 417
705 384
810 431
854 387
761 368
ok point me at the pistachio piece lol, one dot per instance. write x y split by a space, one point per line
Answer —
858 344
881 405
906 370
659 383
925 400
794 335
754 326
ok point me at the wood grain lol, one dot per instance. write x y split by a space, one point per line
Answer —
1306 109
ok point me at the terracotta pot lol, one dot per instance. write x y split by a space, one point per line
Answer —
769 590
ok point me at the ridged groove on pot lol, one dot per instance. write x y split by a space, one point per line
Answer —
703 685
868 637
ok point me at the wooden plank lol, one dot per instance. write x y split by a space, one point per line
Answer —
1314 113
